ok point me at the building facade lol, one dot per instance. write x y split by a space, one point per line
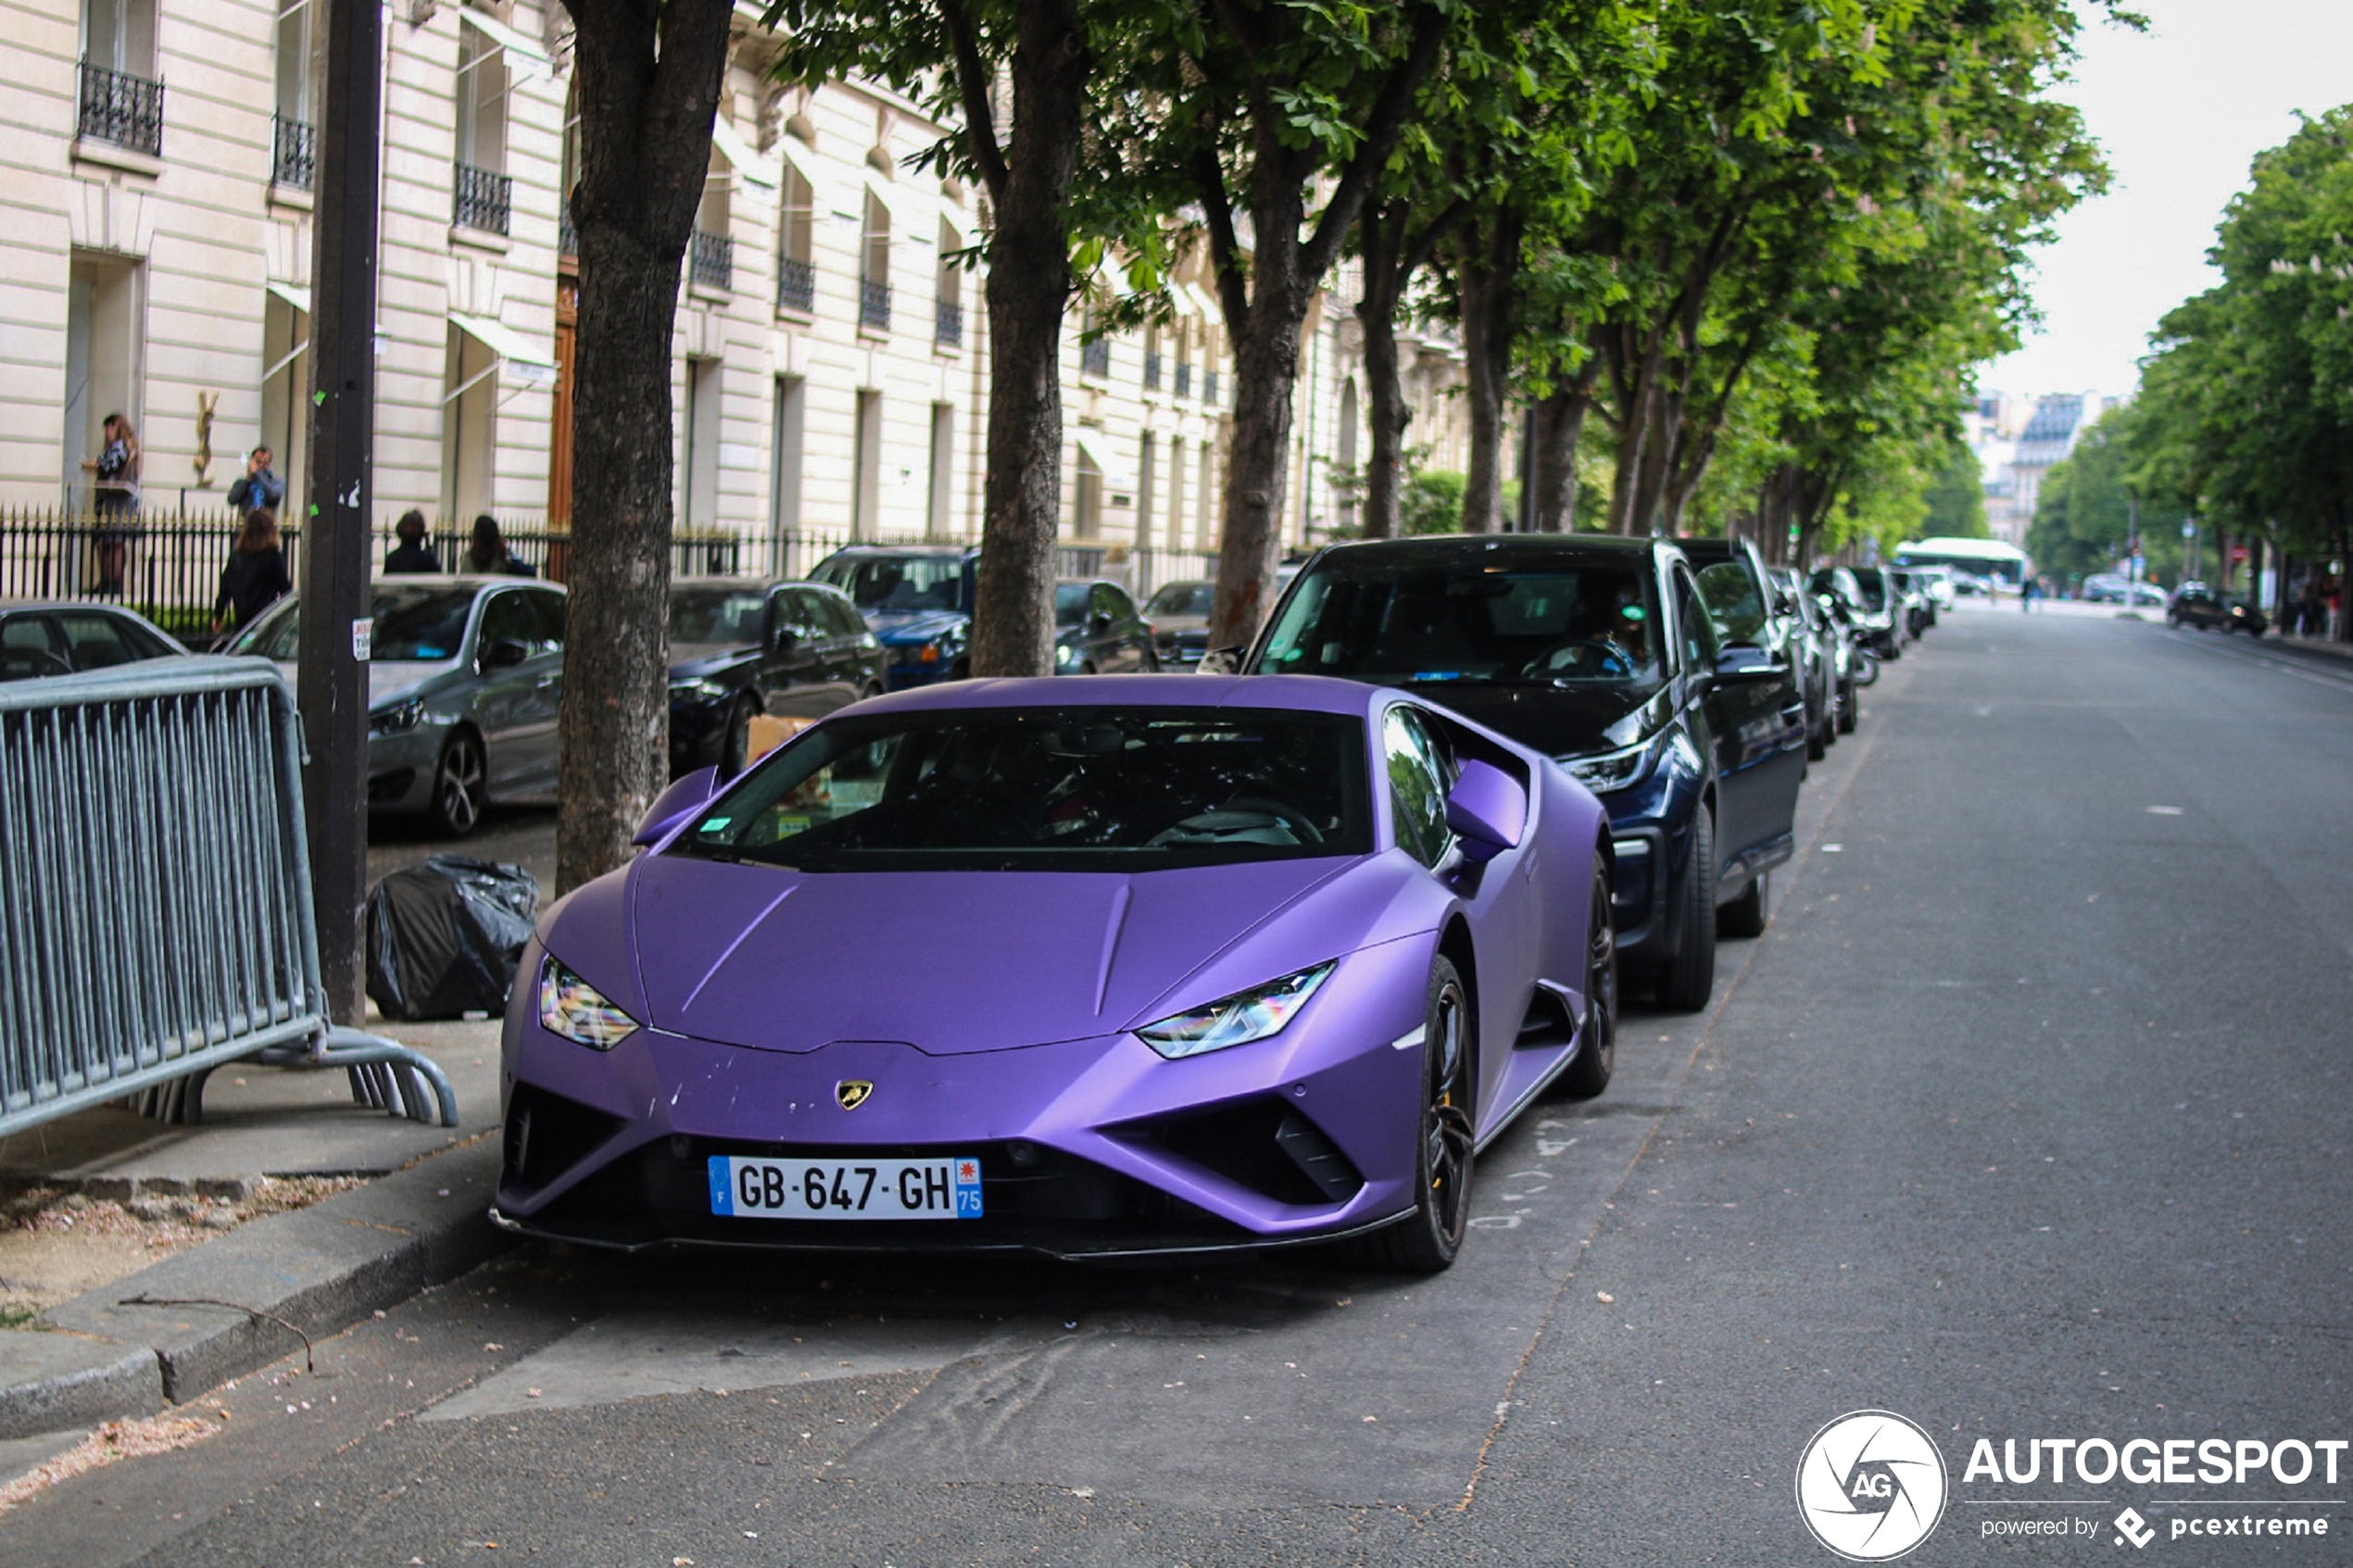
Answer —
158 160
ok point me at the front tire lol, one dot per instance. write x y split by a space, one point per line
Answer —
1596 1058
457 786
1429 1237
1689 979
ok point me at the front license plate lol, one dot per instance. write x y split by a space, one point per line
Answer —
839 1189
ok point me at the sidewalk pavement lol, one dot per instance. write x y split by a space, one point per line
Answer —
2315 645
417 1219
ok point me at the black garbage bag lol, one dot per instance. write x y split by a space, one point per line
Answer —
444 938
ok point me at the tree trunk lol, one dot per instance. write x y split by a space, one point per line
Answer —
648 85
1385 386
1560 425
1265 369
1490 263
1028 292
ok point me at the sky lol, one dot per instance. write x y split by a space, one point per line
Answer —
2181 110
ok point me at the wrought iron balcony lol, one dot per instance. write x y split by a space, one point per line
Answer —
294 153
1151 372
1184 380
874 304
948 331
481 198
1094 357
795 284
118 108
710 260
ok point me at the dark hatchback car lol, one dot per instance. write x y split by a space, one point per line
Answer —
1098 631
2197 604
738 648
1599 653
1179 614
64 638
918 601
1753 610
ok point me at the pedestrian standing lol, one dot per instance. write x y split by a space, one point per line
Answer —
114 497
255 576
414 553
258 488
488 552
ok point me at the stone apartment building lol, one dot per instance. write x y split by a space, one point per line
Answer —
157 164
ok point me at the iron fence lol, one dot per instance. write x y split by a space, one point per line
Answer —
874 304
480 198
155 896
712 260
119 107
795 284
294 153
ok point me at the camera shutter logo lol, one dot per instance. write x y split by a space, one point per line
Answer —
1871 1486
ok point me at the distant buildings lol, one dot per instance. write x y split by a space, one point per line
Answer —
2017 440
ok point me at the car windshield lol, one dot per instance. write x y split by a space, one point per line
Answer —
1874 588
1070 603
899 582
715 615
1371 619
1182 598
1126 789
417 624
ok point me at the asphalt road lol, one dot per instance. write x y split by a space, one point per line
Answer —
2025 1120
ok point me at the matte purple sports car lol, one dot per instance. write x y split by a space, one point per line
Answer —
1137 964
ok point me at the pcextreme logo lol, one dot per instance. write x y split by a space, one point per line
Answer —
1871 1486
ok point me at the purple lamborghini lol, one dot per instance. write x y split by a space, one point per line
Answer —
1141 965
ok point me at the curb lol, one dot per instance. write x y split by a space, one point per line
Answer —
321 1268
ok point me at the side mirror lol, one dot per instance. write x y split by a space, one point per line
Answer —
1099 622
785 640
1742 666
503 654
1488 812
673 806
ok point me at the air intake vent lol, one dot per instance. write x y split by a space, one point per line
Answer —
1264 1144
548 1134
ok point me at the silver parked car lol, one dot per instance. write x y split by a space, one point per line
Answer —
463 683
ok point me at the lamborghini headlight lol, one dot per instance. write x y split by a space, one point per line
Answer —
1254 1014
569 1006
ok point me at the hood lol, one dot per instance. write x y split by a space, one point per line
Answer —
390 679
779 959
1555 722
894 626
690 661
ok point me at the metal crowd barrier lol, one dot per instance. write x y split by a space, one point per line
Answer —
154 897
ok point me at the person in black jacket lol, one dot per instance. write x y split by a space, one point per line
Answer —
488 552
255 576
414 553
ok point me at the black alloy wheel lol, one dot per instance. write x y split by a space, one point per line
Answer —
1817 734
735 741
457 780
1596 1058
1747 915
1429 1237
1850 703
1689 979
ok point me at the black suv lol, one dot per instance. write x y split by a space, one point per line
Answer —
1602 653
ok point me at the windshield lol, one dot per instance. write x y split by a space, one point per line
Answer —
1182 598
1050 789
715 615
1874 588
899 582
1376 619
413 624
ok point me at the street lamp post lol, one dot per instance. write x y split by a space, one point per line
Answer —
331 680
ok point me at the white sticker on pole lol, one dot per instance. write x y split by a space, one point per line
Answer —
363 640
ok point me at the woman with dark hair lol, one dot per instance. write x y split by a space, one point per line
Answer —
114 497
488 551
255 576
